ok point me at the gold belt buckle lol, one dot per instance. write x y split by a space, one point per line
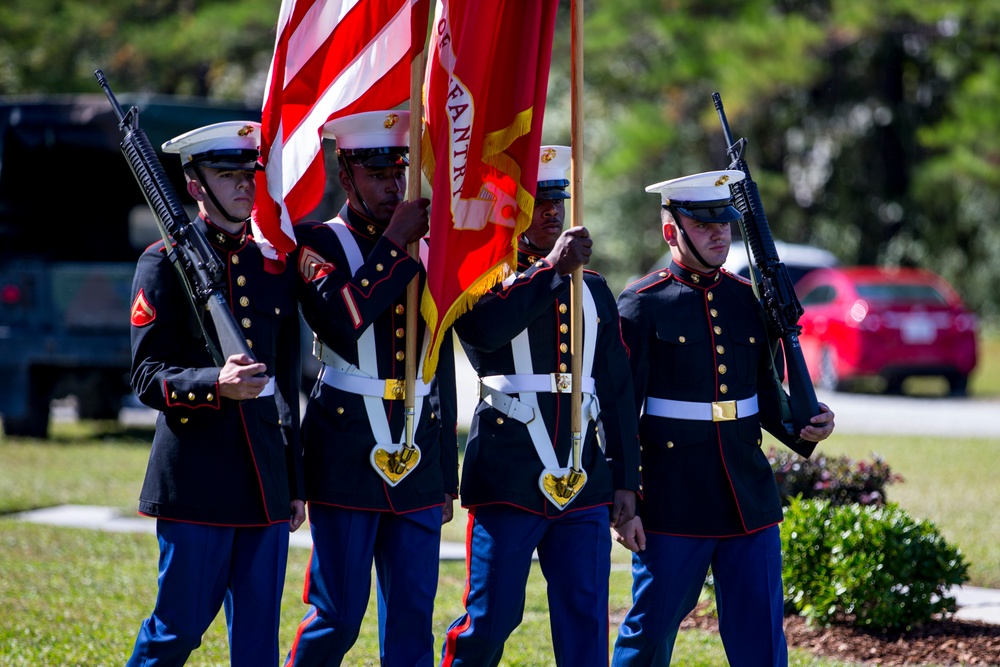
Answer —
395 390
561 383
723 411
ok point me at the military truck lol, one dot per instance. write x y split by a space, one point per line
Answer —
73 222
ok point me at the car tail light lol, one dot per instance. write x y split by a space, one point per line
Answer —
10 295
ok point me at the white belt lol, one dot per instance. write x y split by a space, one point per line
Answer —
340 374
493 390
717 411
553 383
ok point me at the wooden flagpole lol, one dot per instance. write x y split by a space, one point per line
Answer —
576 287
413 289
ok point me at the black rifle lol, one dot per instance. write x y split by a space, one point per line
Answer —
198 267
781 306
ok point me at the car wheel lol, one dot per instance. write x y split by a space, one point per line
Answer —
829 379
958 384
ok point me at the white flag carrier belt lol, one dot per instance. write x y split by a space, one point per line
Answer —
340 374
494 390
528 385
363 379
717 411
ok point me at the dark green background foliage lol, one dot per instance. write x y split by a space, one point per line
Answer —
839 479
873 126
874 567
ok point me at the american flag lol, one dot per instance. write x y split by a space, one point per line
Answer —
331 58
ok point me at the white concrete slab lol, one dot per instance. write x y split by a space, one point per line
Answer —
111 520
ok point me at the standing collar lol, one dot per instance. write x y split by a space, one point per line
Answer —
223 240
696 278
362 225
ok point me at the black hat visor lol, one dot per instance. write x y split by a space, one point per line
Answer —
552 190
235 159
721 210
377 158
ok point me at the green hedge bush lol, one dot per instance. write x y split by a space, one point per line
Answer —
873 567
840 480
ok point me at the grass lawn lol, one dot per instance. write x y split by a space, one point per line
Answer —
76 597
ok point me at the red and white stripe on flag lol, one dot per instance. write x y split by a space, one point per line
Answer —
331 58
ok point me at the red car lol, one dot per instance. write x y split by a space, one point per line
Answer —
893 323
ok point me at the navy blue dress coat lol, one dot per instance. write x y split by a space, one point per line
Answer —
213 460
701 338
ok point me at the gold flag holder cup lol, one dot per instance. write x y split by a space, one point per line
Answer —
394 462
561 485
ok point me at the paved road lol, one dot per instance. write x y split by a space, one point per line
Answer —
904 415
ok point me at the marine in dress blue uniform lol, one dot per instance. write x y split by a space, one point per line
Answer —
701 363
354 271
224 479
518 340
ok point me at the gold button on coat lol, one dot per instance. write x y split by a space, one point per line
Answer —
563 328
400 332
717 330
722 369
400 355
210 397
670 444
245 322
562 368
723 389
399 309
499 420
340 411
713 312
191 396
379 267
241 281
236 259
682 339
244 301
563 308
720 349
710 296
364 282
563 347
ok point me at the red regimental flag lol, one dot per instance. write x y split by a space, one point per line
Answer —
484 93
331 58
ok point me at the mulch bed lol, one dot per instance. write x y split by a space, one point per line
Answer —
940 642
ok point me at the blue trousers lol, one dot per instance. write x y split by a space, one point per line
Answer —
667 578
405 549
574 552
203 568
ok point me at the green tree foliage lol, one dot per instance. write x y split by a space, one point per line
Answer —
872 126
214 48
